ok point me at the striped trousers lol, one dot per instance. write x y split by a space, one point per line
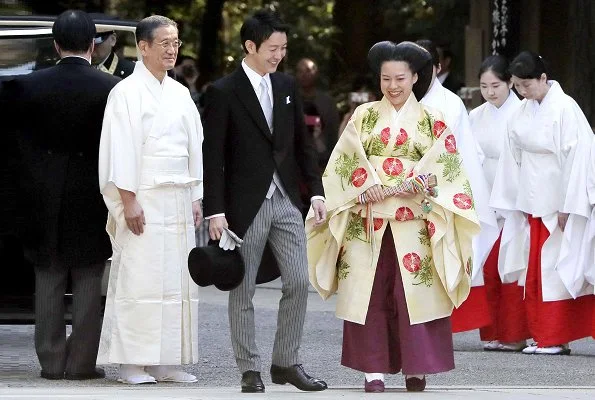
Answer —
56 353
279 223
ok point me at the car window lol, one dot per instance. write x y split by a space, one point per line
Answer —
23 51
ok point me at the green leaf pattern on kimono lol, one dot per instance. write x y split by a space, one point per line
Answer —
369 120
452 165
345 166
374 146
424 236
342 266
355 227
425 125
467 190
425 273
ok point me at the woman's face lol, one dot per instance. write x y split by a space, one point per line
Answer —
396 82
532 89
494 90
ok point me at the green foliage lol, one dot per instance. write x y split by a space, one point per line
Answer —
425 126
452 165
344 167
425 274
375 146
467 190
424 236
342 266
355 227
369 120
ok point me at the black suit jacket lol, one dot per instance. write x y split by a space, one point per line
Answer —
240 154
56 116
452 83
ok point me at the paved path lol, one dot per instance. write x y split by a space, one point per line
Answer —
478 374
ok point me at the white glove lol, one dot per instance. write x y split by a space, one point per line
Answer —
229 240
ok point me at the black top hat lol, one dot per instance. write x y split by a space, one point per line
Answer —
211 265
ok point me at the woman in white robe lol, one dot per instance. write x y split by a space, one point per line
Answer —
457 119
508 330
540 189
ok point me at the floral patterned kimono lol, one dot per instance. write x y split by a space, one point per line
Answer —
434 249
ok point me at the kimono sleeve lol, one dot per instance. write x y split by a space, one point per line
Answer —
575 140
195 138
506 182
119 148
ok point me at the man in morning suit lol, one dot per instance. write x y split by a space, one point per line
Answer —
255 147
59 153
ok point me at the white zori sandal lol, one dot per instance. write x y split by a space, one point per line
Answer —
134 375
167 373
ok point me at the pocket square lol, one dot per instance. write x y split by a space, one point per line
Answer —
287 100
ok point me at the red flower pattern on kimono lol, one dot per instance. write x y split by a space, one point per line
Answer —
411 262
404 214
359 176
385 135
451 144
462 201
401 137
431 228
392 166
378 222
438 128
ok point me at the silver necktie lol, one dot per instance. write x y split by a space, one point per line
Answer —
265 103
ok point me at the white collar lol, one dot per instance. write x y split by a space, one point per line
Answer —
73 55
255 79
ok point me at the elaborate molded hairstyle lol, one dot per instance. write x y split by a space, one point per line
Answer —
418 58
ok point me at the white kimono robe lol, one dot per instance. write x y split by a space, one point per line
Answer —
541 172
455 115
151 145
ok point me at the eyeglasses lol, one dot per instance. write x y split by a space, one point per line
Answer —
166 44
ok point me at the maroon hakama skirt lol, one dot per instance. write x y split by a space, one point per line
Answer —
552 323
388 343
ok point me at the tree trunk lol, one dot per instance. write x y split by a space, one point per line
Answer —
210 50
352 41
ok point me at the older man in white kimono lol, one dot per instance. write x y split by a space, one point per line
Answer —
457 119
150 173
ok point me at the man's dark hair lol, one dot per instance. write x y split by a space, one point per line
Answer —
260 26
145 29
74 31
430 47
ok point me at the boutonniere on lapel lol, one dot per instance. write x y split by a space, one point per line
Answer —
288 100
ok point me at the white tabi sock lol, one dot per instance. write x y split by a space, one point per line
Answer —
374 376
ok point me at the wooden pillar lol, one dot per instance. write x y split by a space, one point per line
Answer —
477 35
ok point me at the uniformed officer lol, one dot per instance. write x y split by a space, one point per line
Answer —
105 58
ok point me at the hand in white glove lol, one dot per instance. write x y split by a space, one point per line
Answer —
229 240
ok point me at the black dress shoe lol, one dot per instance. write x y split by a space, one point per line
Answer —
297 377
251 382
97 373
53 377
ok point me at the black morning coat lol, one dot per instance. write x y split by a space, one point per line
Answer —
51 197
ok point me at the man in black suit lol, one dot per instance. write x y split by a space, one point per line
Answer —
445 74
58 114
255 149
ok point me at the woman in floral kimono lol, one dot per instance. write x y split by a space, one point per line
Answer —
508 330
398 263
541 190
